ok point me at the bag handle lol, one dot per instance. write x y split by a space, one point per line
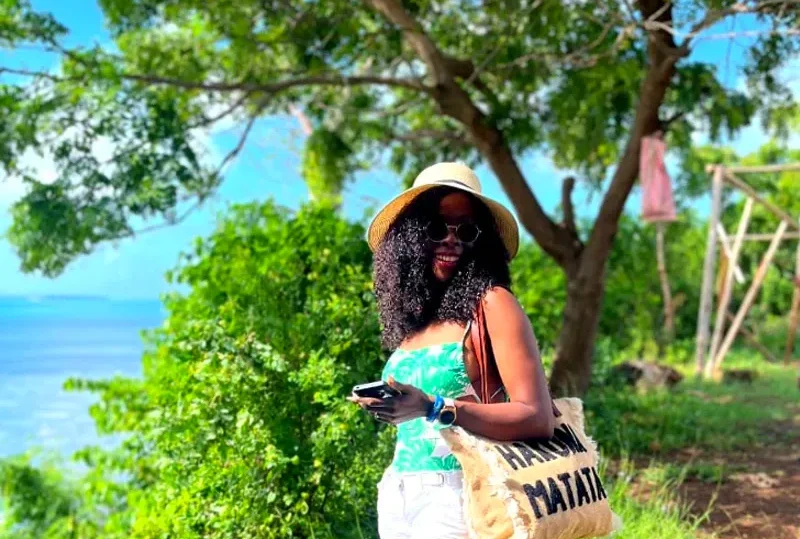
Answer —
482 347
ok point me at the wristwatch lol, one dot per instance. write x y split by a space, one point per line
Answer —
448 414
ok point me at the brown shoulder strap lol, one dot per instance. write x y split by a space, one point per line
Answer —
478 336
482 347
487 367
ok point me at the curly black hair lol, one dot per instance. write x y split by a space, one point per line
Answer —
409 295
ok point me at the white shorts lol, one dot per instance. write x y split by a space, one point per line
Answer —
424 505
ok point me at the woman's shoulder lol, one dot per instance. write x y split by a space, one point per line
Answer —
501 301
498 295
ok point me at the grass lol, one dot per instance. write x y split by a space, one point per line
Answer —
699 471
696 414
655 513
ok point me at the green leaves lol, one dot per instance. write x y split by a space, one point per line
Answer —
111 165
19 24
240 427
34 497
249 379
49 229
327 165
251 376
122 123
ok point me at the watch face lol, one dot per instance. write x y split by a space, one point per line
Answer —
447 417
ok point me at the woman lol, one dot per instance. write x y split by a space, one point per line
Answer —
441 248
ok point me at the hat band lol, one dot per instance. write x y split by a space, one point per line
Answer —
453 183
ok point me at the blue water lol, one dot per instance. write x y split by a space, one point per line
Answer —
45 341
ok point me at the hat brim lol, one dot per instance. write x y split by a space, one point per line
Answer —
506 222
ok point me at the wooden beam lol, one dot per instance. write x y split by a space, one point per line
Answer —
725 241
750 296
727 288
763 168
768 237
794 314
750 337
749 191
663 276
707 290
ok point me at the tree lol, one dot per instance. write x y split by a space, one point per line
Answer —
418 81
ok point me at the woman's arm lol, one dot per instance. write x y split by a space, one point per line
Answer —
529 414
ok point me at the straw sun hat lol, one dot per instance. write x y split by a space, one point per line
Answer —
453 175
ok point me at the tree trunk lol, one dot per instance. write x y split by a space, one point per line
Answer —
586 276
572 371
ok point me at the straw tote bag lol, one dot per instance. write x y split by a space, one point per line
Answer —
530 489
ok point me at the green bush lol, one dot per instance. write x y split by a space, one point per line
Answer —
240 427
248 378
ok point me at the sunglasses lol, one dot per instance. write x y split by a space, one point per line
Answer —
438 231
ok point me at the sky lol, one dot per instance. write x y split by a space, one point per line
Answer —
269 168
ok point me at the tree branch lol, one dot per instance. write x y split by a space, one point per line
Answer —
171 222
242 86
567 206
398 108
454 102
657 79
222 114
242 140
29 73
276 87
711 18
466 70
658 24
665 124
202 197
580 57
422 134
416 37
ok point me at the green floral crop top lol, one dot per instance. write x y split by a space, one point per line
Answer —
436 370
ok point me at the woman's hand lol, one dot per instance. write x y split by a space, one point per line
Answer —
410 404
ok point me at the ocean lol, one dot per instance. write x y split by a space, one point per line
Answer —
47 340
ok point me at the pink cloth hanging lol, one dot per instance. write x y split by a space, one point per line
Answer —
658 203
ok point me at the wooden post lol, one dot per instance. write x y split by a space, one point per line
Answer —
707 290
725 241
768 237
749 191
661 260
753 340
764 168
793 315
727 288
750 297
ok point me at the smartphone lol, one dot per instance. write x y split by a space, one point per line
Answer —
375 390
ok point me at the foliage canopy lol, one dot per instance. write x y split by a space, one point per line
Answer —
424 80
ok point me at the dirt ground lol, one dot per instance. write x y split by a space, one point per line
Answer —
759 497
